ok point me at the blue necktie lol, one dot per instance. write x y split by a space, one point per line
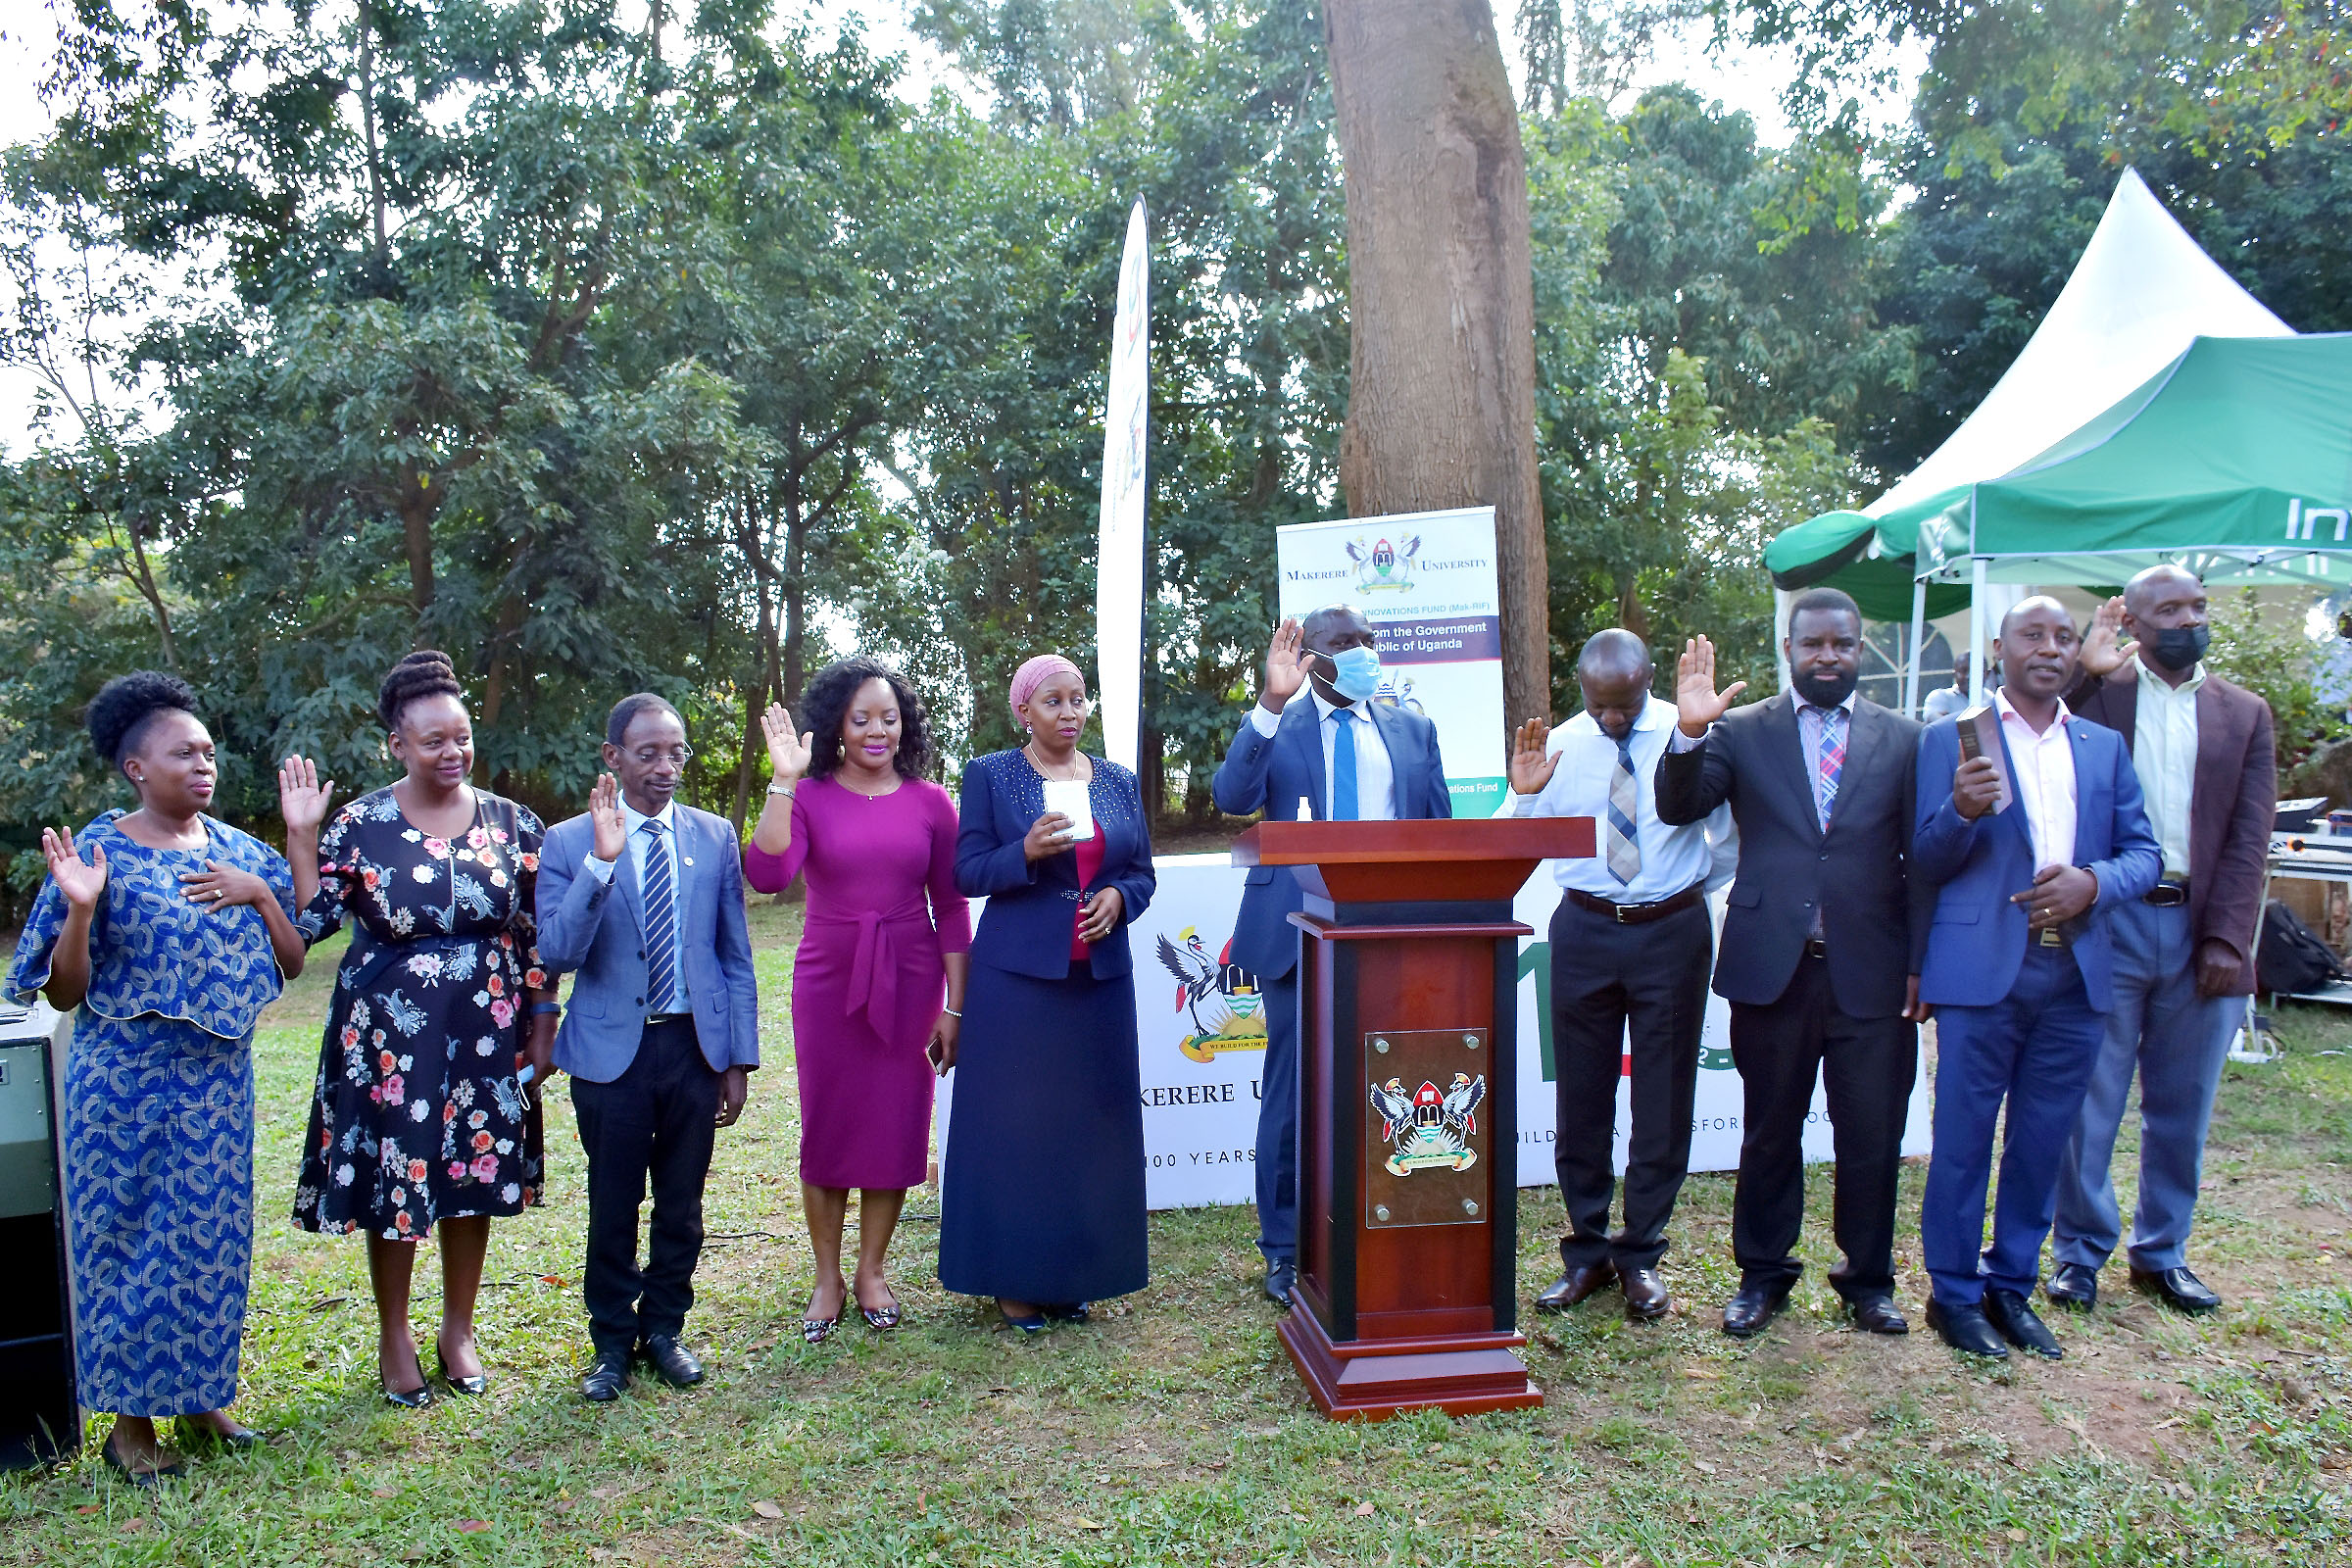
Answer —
1342 767
661 924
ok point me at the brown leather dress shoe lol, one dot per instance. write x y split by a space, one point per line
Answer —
1573 1286
1645 1294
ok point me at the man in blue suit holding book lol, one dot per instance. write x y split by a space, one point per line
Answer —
1347 758
2026 855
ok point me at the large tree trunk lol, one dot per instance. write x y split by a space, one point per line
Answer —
1441 395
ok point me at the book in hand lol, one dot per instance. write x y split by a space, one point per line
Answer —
1981 736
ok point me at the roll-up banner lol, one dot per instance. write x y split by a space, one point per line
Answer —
1426 582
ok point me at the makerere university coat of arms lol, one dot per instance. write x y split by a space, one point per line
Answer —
1429 1128
1228 1013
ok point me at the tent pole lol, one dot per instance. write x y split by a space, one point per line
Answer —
1975 633
1779 634
1919 629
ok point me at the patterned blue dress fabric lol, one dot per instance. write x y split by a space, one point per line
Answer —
415 1115
159 1119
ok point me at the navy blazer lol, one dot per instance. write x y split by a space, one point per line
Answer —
1273 774
586 926
1032 904
1977 941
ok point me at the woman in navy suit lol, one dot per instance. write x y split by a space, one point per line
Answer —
1043 1186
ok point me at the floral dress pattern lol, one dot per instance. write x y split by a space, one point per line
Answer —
157 1146
416 1117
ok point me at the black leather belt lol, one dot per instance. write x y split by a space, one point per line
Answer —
1638 914
652 1018
2167 895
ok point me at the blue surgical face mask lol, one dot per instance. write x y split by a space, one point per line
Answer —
1354 672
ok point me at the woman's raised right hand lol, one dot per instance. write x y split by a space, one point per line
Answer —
1046 837
787 747
301 799
81 883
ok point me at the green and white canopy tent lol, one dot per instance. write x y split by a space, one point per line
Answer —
2107 364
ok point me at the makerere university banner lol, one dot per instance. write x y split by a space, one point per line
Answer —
1426 582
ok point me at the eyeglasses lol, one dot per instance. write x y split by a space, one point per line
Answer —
677 755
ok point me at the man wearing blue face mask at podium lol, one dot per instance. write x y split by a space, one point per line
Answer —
1344 758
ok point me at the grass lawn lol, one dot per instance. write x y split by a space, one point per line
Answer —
1173 1430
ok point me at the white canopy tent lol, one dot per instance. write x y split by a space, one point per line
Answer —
2142 289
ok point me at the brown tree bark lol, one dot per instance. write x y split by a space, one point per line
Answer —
1441 395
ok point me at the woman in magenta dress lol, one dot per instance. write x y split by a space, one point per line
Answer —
886 934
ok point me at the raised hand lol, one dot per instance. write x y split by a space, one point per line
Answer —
604 811
301 799
787 747
2104 650
1531 761
83 885
1287 661
1696 698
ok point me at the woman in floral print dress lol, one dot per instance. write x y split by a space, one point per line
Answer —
419 1119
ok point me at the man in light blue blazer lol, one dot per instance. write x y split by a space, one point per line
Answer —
641 900
2018 967
1346 757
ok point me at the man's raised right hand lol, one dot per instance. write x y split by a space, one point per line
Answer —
1286 665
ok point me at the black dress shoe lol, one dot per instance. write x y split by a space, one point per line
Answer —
1967 1330
415 1398
195 1434
672 1362
2075 1285
2178 1289
606 1379
142 1478
1282 1275
476 1384
1069 1311
1755 1305
1645 1295
2013 1315
1878 1314
1573 1286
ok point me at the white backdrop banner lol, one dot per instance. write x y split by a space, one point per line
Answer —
1426 582
1202 1044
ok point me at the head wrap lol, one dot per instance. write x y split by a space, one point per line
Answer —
1035 672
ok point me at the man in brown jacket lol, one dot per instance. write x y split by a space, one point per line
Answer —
2184 952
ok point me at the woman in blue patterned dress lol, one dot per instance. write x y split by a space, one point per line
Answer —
165 943
419 1120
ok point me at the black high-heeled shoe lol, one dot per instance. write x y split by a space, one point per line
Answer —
415 1398
143 1479
1033 1324
1069 1311
195 1435
476 1384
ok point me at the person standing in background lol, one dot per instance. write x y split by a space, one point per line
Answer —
663 1034
1344 758
2203 751
1631 945
164 944
871 1030
2027 856
418 1120
1819 946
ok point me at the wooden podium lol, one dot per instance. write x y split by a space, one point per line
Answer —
1408 977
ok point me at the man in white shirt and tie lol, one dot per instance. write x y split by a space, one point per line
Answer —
1338 757
1632 945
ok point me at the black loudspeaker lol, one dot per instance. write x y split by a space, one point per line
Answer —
39 1420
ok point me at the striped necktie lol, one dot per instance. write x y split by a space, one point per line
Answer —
1624 805
658 886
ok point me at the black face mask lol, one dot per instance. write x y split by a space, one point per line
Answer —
2179 648
1822 693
